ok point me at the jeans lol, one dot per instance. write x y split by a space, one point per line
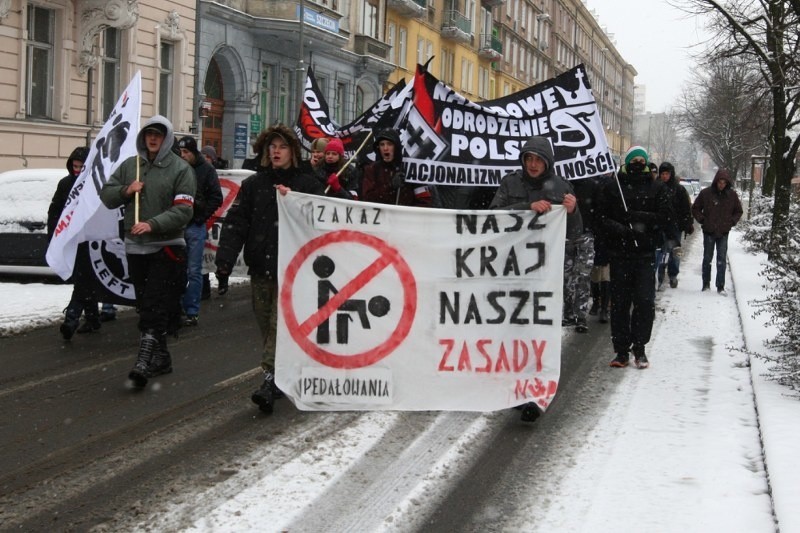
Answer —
195 236
721 244
666 261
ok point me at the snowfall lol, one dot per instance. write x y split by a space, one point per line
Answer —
700 441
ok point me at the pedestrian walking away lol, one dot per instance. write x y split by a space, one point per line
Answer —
717 208
537 187
208 197
252 223
157 187
632 214
668 258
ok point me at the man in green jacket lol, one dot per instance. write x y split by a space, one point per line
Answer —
157 188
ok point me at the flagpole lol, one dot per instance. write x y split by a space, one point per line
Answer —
136 195
352 158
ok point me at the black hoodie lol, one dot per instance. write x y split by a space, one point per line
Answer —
681 204
63 188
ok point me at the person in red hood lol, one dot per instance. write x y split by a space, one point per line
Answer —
717 208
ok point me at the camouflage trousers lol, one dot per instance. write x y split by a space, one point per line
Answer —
578 263
265 308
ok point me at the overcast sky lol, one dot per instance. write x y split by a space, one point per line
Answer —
657 39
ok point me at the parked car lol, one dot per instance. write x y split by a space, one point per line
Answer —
692 187
24 198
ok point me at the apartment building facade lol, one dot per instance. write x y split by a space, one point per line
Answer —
224 70
64 63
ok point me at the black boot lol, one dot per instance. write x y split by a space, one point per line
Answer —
264 397
148 344
91 319
530 412
604 302
205 294
161 363
71 322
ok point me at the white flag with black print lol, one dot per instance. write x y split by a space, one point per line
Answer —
84 217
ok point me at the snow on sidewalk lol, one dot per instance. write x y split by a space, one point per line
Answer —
679 448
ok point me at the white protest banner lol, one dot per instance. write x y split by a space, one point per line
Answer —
399 308
84 217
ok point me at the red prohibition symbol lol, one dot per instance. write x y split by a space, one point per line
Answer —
388 257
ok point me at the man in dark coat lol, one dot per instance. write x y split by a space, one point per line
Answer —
717 208
668 258
384 182
537 187
632 214
252 223
208 197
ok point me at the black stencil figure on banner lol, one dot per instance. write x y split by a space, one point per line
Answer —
378 306
108 147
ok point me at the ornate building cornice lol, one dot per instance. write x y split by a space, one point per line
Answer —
96 16
5 7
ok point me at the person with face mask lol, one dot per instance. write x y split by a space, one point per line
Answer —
632 213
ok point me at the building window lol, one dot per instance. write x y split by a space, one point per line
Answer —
359 101
110 68
466 75
369 19
448 65
341 101
283 96
266 91
420 50
39 63
166 77
391 36
402 48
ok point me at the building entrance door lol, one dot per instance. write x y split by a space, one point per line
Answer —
214 104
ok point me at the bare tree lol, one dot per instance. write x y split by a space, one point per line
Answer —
726 110
664 136
767 33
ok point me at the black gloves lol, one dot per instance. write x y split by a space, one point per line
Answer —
398 179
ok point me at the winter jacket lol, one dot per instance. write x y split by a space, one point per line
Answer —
252 220
208 196
586 191
63 189
518 190
681 205
717 211
348 179
638 231
166 202
379 179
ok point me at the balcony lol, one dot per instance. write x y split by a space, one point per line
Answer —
490 47
456 26
493 3
409 8
367 46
